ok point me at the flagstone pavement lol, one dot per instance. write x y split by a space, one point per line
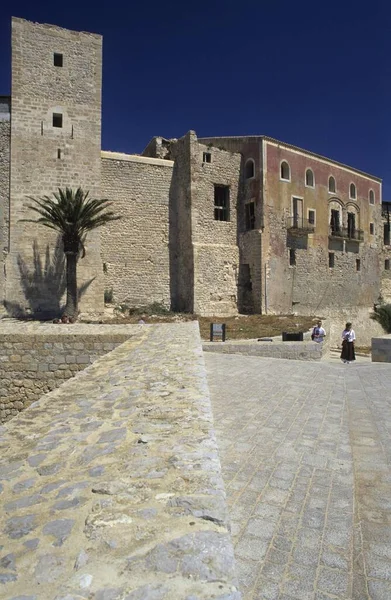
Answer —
306 458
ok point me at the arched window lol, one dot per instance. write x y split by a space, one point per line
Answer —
352 191
309 178
371 197
249 169
332 186
285 171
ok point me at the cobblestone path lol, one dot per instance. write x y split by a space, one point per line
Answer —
306 457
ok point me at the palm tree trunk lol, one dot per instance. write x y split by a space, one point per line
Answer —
71 308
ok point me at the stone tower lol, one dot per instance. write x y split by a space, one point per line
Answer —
55 142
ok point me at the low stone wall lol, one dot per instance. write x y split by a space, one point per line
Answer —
381 349
35 359
291 350
111 485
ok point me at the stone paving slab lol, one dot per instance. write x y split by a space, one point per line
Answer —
306 458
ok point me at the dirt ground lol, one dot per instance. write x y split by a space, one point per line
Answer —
239 327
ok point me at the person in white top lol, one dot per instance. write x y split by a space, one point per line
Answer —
348 339
318 333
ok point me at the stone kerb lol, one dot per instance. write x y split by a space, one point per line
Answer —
381 349
35 359
111 484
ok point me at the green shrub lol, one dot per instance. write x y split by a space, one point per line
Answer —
382 314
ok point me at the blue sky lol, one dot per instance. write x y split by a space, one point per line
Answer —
316 75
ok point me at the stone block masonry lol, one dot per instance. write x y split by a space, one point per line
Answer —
35 359
111 485
381 349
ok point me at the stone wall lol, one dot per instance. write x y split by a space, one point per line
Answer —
45 157
5 132
306 350
135 249
111 485
381 349
34 361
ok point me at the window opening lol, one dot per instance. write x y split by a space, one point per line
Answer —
351 225
352 191
57 120
292 257
57 59
221 203
249 169
386 235
250 215
332 187
59 153
285 171
331 260
371 197
311 217
309 178
334 222
206 157
387 264
371 228
358 264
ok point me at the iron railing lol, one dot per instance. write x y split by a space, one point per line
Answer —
347 233
300 225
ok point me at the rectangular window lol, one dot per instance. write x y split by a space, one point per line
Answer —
292 257
221 199
331 260
57 59
250 215
57 120
358 264
386 234
371 228
387 264
206 157
58 153
334 222
311 217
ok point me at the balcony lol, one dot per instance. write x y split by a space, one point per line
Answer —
345 233
299 226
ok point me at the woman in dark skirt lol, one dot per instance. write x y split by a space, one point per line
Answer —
348 338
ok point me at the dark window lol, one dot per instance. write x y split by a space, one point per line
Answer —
309 178
352 191
206 157
57 59
292 257
386 234
387 264
57 120
351 225
221 203
331 260
332 187
285 171
371 228
250 215
249 169
59 153
334 222
358 264
311 217
371 197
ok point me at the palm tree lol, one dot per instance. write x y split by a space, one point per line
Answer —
72 214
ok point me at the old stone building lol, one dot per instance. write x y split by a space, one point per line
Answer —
210 225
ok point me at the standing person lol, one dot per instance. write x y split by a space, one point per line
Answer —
348 339
318 333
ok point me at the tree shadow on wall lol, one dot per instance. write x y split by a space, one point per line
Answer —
44 285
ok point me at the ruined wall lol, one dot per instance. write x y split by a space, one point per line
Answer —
216 252
5 133
45 157
311 286
135 249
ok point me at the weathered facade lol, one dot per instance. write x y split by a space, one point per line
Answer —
210 225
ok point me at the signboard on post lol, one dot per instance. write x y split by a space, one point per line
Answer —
217 332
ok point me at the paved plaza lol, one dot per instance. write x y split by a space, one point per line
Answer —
306 455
